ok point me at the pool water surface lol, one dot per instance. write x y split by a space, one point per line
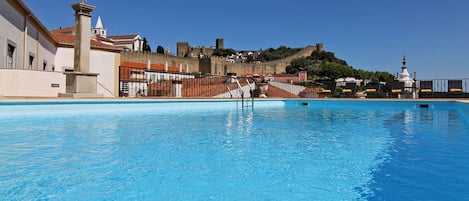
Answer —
216 150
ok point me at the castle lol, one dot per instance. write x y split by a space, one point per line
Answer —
184 50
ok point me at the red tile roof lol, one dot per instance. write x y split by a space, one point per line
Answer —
64 38
66 30
153 67
123 37
312 90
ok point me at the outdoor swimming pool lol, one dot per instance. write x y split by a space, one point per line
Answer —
216 150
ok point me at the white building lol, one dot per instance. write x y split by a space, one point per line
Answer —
32 59
27 54
130 42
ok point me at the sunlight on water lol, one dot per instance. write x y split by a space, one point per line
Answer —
197 151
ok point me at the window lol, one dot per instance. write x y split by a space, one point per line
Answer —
30 61
44 65
10 55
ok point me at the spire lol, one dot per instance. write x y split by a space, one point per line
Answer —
404 62
99 23
404 74
99 29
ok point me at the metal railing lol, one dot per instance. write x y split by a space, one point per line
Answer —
443 88
240 89
137 82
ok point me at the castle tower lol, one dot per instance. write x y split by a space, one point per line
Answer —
319 47
99 29
182 49
220 43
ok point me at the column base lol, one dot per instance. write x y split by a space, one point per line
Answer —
81 85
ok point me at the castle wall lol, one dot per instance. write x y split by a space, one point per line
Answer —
219 65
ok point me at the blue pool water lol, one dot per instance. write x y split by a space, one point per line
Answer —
278 150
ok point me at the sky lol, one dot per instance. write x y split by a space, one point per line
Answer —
372 35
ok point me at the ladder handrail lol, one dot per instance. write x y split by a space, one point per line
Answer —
234 79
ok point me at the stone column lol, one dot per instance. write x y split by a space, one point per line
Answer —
82 36
81 83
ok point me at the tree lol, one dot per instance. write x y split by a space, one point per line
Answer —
325 56
145 46
361 74
334 70
279 53
223 52
300 64
160 49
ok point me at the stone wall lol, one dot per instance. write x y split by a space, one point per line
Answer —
219 65
28 83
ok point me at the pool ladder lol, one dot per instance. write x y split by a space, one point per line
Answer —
244 102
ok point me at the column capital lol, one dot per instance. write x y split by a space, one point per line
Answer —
83 8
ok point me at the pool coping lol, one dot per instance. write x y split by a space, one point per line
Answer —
161 100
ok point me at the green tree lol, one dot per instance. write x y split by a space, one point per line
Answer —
325 56
300 64
361 74
160 49
145 46
223 52
249 59
334 70
291 70
276 54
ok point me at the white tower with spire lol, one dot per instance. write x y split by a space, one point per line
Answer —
99 29
407 79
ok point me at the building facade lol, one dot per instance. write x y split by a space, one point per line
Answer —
27 54
33 60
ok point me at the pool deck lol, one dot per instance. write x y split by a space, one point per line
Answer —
53 99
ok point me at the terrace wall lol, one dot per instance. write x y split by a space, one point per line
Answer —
26 83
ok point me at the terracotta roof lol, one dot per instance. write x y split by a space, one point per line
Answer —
122 37
66 39
122 42
312 90
139 68
153 67
285 75
64 30
100 38
278 92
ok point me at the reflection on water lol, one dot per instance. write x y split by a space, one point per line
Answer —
428 156
228 153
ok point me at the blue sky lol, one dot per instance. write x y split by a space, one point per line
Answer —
368 34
